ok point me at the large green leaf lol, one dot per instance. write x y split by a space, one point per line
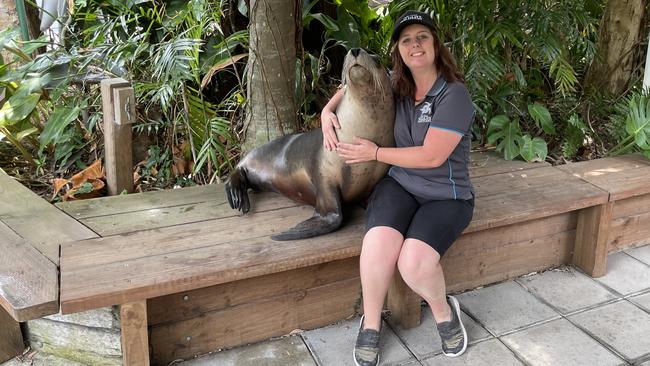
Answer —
533 149
348 33
17 108
56 126
542 117
506 134
637 123
33 84
329 24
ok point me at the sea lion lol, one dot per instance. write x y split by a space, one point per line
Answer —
299 167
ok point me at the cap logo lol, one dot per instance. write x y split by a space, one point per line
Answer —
412 17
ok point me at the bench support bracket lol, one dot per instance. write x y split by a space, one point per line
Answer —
592 235
135 336
11 338
403 303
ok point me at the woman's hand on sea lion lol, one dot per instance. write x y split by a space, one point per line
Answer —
328 123
358 152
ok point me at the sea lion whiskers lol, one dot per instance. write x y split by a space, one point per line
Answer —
370 63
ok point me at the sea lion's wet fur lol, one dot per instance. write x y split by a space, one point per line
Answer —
298 166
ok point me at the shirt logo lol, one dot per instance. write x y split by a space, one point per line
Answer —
425 112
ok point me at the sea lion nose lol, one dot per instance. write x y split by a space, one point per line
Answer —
355 51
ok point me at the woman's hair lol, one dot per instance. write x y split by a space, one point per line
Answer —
402 79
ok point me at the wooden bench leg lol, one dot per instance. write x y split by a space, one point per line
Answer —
135 336
592 236
403 303
11 338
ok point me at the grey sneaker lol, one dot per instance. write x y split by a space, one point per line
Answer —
452 333
366 350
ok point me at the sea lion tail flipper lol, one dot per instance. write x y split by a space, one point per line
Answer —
237 191
314 226
327 218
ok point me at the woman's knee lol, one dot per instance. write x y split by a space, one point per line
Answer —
417 259
381 244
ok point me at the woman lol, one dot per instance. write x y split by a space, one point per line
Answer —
427 200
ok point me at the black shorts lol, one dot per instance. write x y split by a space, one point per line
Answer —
438 223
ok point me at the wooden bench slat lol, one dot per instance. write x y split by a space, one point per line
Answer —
88 254
182 214
636 157
147 277
529 195
484 163
112 205
255 321
28 280
629 232
36 220
622 177
190 304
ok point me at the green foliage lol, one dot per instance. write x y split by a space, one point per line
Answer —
574 136
55 129
506 134
522 60
542 117
533 149
637 126
171 51
22 93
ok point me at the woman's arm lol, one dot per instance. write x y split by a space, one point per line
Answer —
329 121
438 145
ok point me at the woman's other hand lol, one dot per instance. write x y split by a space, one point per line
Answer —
358 152
329 122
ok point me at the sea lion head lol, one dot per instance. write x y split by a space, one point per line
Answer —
364 72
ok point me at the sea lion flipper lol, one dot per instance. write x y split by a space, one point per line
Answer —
314 226
327 217
237 191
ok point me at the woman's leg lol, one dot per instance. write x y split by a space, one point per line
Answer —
379 253
434 228
419 265
388 216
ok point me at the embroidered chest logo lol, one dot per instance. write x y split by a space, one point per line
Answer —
425 112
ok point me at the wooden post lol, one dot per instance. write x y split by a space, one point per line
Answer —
11 338
135 336
118 105
403 303
592 234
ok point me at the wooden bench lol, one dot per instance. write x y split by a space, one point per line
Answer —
624 220
191 276
30 232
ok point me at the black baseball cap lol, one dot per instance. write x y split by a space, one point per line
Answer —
411 17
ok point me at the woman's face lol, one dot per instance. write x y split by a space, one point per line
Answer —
415 45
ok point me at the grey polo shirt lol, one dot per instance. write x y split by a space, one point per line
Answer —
447 106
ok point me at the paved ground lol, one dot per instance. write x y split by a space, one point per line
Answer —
559 317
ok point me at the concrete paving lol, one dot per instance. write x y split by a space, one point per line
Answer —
558 317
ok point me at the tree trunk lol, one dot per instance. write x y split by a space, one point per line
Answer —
8 19
8 15
620 29
271 72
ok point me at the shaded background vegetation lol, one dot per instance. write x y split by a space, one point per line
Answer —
525 64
